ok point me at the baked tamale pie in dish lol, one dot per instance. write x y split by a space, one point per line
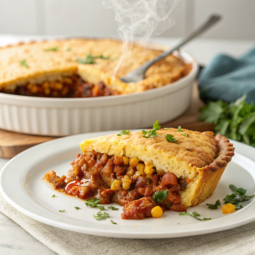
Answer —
82 68
147 172
58 87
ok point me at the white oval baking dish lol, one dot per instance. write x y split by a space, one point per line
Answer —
67 116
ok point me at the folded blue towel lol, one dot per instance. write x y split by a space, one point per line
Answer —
228 79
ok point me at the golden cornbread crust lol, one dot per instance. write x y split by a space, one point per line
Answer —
200 158
52 65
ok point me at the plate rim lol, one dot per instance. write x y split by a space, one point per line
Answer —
109 232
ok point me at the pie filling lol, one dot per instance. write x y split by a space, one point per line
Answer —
126 181
73 86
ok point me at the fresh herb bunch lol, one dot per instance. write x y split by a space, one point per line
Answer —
233 120
93 203
194 215
124 132
214 206
238 196
101 216
153 132
160 196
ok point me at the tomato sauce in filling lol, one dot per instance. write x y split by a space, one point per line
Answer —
128 182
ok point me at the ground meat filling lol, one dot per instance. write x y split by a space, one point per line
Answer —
128 182
71 87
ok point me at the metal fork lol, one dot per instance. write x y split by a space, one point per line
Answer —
138 74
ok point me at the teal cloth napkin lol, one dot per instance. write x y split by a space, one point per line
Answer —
228 79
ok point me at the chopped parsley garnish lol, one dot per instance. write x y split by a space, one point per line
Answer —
53 195
123 132
69 49
159 196
194 215
237 197
88 60
167 128
113 222
180 130
52 49
102 57
113 208
170 138
101 216
62 210
152 133
214 206
93 203
24 63
77 208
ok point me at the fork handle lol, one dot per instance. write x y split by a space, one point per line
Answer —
211 21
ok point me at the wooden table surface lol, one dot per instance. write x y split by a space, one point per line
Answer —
13 143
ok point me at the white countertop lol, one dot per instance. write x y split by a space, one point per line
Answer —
13 238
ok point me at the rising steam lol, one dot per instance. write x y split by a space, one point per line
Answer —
141 18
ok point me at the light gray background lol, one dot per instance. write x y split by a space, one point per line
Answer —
91 18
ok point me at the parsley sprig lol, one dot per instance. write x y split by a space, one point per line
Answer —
113 222
170 138
153 132
90 59
160 196
93 203
23 62
194 215
101 216
180 130
113 208
214 206
238 196
52 49
233 120
77 208
124 132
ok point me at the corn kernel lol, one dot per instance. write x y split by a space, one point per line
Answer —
156 212
46 85
228 208
125 160
47 91
133 162
148 168
68 80
130 171
137 174
58 86
140 168
126 182
29 86
149 176
116 185
34 89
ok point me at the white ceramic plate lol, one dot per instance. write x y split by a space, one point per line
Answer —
22 186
